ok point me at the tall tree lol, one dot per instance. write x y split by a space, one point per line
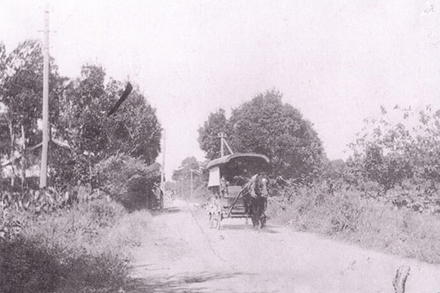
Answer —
22 87
184 171
87 103
267 126
133 129
400 144
208 134
127 179
190 168
4 124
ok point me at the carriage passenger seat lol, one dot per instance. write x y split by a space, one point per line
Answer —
234 190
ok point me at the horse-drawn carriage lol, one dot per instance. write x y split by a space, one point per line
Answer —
238 184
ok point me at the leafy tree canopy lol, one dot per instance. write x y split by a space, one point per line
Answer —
133 130
267 126
190 168
184 172
208 134
22 88
400 144
127 179
78 117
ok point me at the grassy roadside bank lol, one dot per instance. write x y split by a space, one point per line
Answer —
370 223
81 249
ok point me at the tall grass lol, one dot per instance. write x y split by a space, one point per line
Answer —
82 249
372 223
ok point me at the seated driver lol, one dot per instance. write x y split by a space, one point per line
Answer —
224 186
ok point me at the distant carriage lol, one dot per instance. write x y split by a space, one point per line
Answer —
239 187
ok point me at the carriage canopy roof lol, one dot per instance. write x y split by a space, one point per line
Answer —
238 157
233 167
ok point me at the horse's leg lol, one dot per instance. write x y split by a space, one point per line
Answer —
254 213
263 220
247 214
255 220
246 210
260 212
263 211
259 223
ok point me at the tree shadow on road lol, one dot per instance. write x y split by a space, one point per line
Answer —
193 283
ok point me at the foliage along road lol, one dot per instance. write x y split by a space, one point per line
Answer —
180 253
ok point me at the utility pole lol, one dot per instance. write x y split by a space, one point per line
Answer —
223 142
45 130
222 136
162 174
191 171
192 180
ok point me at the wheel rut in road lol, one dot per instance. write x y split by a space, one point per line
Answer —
180 253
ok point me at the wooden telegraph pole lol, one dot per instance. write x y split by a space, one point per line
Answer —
162 174
192 180
191 171
223 142
45 130
222 136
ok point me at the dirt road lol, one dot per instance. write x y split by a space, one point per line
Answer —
180 253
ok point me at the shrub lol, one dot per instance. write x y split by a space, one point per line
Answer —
81 249
351 216
346 212
399 231
27 267
304 208
127 180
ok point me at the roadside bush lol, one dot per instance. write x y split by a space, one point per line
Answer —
399 231
127 232
81 226
304 208
346 212
81 249
349 215
27 267
127 180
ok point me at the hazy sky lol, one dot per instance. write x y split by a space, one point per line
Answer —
336 61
